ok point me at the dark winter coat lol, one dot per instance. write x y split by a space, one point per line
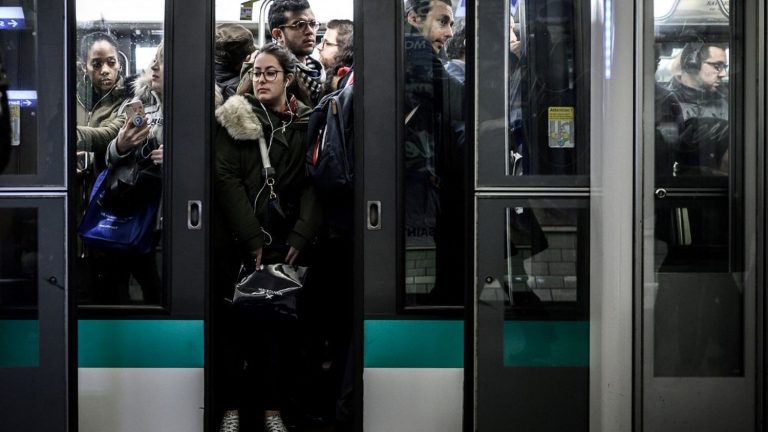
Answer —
695 128
239 181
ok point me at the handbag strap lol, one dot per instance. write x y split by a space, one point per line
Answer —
269 171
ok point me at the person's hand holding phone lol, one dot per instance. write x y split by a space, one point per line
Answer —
135 129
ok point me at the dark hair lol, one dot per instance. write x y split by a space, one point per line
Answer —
234 42
344 29
280 7
286 59
91 38
694 54
456 46
421 7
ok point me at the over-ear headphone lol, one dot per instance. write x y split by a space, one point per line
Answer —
690 58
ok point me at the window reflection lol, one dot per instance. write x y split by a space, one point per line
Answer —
543 259
534 256
19 328
698 303
543 89
18 39
434 155
18 261
120 146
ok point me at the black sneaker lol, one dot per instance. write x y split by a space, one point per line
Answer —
230 422
274 423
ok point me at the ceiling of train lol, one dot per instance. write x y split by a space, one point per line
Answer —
226 10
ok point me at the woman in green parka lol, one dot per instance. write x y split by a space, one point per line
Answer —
243 198
100 92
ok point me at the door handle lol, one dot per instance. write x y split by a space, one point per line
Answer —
194 214
374 215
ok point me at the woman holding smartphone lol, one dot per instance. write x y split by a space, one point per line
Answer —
140 135
267 223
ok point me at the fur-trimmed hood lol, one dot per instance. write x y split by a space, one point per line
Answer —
243 118
239 119
142 89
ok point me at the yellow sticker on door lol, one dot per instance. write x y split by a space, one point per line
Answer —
561 127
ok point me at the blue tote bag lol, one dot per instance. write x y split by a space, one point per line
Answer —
131 232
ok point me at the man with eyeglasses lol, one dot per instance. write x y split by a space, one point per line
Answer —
294 26
337 37
694 113
694 336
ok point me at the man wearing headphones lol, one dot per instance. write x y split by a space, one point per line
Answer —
698 336
697 108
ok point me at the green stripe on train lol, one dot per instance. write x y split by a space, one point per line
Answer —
414 344
19 343
546 343
141 344
440 344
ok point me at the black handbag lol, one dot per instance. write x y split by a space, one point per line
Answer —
270 290
133 182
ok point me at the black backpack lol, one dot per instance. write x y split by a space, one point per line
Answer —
330 153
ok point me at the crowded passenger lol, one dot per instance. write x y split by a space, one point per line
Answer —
697 335
292 24
337 53
341 72
693 116
234 43
100 92
456 50
141 137
260 233
434 154
329 321
337 37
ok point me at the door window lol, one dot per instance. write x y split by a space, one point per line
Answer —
695 288
434 154
34 99
119 147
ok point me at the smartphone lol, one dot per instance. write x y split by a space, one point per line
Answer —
134 112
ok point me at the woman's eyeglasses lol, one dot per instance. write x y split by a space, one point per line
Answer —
269 74
302 25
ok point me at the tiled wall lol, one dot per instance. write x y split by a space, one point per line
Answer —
550 274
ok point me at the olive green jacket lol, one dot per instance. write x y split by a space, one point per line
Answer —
97 119
239 177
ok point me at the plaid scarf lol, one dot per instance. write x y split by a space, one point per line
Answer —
311 78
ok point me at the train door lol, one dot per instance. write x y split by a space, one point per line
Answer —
532 205
141 305
35 306
412 162
700 194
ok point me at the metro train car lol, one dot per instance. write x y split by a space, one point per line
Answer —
556 220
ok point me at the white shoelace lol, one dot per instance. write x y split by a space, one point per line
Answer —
230 422
274 424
